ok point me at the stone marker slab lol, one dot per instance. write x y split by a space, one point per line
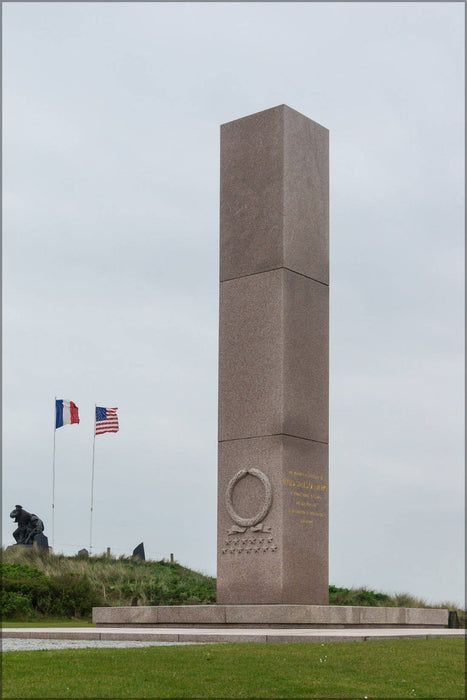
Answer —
194 614
381 616
130 615
139 551
292 614
421 616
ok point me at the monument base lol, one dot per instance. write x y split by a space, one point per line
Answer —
269 616
42 545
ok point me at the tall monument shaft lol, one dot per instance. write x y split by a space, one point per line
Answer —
273 360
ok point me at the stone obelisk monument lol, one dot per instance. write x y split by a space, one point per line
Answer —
272 566
273 361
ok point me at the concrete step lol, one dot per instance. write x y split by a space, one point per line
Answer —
215 635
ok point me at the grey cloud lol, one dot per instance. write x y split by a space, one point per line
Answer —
111 151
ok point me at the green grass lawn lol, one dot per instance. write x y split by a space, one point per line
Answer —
381 669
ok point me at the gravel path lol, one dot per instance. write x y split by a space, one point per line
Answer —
79 637
38 644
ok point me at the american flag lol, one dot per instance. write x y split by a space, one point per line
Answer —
106 420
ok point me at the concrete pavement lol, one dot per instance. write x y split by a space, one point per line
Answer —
214 635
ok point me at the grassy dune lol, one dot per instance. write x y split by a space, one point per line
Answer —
126 581
120 581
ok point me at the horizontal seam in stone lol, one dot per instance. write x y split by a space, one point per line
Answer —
274 269
254 437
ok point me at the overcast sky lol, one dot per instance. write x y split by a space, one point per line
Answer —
110 256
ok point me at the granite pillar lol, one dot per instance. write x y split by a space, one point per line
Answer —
273 361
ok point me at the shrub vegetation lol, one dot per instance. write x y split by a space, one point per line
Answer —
38 585
28 593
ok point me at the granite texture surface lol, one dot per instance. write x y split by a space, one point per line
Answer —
274 357
273 361
109 636
274 209
112 635
268 616
286 561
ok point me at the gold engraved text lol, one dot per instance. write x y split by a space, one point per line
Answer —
304 485
309 476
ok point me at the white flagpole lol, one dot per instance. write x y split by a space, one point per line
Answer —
53 477
92 480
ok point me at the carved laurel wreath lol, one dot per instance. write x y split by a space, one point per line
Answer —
248 522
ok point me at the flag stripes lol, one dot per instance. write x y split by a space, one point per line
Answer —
66 413
106 420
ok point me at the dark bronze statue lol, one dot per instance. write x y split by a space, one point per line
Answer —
30 527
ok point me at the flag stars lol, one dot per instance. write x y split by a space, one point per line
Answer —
106 420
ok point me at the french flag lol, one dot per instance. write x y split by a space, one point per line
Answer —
66 412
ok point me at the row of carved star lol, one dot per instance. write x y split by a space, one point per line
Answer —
246 541
272 548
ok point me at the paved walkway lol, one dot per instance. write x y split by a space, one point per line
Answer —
140 634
